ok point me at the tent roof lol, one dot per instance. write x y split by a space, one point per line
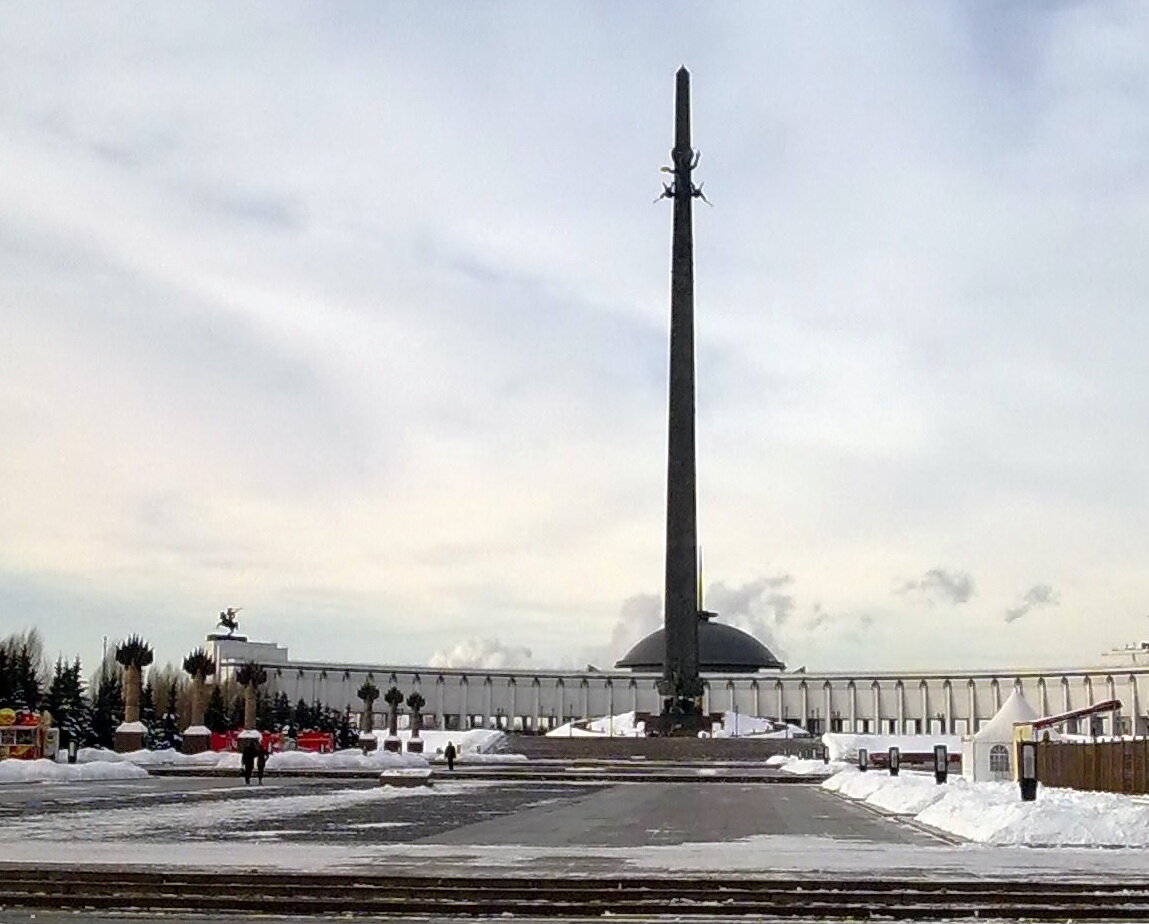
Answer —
1000 727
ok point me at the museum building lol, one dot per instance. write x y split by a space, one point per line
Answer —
739 675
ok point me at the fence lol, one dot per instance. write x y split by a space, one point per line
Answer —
1098 766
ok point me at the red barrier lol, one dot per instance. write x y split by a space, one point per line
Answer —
322 742
229 741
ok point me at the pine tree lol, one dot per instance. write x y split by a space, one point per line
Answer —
281 711
6 683
107 710
302 718
168 724
148 711
215 715
66 701
346 736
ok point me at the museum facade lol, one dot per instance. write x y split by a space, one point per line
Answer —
871 702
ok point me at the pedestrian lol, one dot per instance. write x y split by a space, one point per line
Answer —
449 752
247 759
261 762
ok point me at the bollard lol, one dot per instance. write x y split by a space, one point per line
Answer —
941 763
825 754
1027 770
863 759
895 760
73 747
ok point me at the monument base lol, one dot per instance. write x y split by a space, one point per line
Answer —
679 725
196 740
392 744
368 742
129 737
415 745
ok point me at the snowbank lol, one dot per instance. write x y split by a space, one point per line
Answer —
740 725
623 725
475 746
803 767
993 813
47 771
282 762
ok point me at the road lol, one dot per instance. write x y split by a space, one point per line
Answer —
353 812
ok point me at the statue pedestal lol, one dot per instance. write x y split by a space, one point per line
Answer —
197 739
415 745
129 737
368 742
671 725
392 744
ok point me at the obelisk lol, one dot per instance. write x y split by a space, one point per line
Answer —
681 687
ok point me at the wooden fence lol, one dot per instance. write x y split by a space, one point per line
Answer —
1098 766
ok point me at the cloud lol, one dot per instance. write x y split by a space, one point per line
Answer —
940 586
1037 597
760 607
292 302
483 653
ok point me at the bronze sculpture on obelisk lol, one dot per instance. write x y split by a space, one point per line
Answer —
681 687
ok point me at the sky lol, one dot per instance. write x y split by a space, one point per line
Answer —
355 316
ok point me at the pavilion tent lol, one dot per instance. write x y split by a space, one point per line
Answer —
989 754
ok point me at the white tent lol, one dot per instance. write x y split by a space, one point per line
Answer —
990 754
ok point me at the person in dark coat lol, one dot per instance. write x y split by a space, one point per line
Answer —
260 762
449 752
247 759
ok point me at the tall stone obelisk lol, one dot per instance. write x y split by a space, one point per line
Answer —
681 687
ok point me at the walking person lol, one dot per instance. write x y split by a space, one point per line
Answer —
260 762
449 752
247 760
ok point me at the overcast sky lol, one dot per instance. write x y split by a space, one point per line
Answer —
355 316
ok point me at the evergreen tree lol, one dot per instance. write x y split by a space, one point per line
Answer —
281 711
215 715
66 701
148 711
6 684
302 718
168 723
107 710
346 735
22 670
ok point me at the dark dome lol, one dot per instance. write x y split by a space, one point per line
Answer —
721 649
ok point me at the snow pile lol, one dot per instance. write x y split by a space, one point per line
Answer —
845 747
474 741
993 813
474 746
623 725
740 725
165 758
800 766
47 771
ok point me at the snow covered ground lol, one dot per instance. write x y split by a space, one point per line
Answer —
993 813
